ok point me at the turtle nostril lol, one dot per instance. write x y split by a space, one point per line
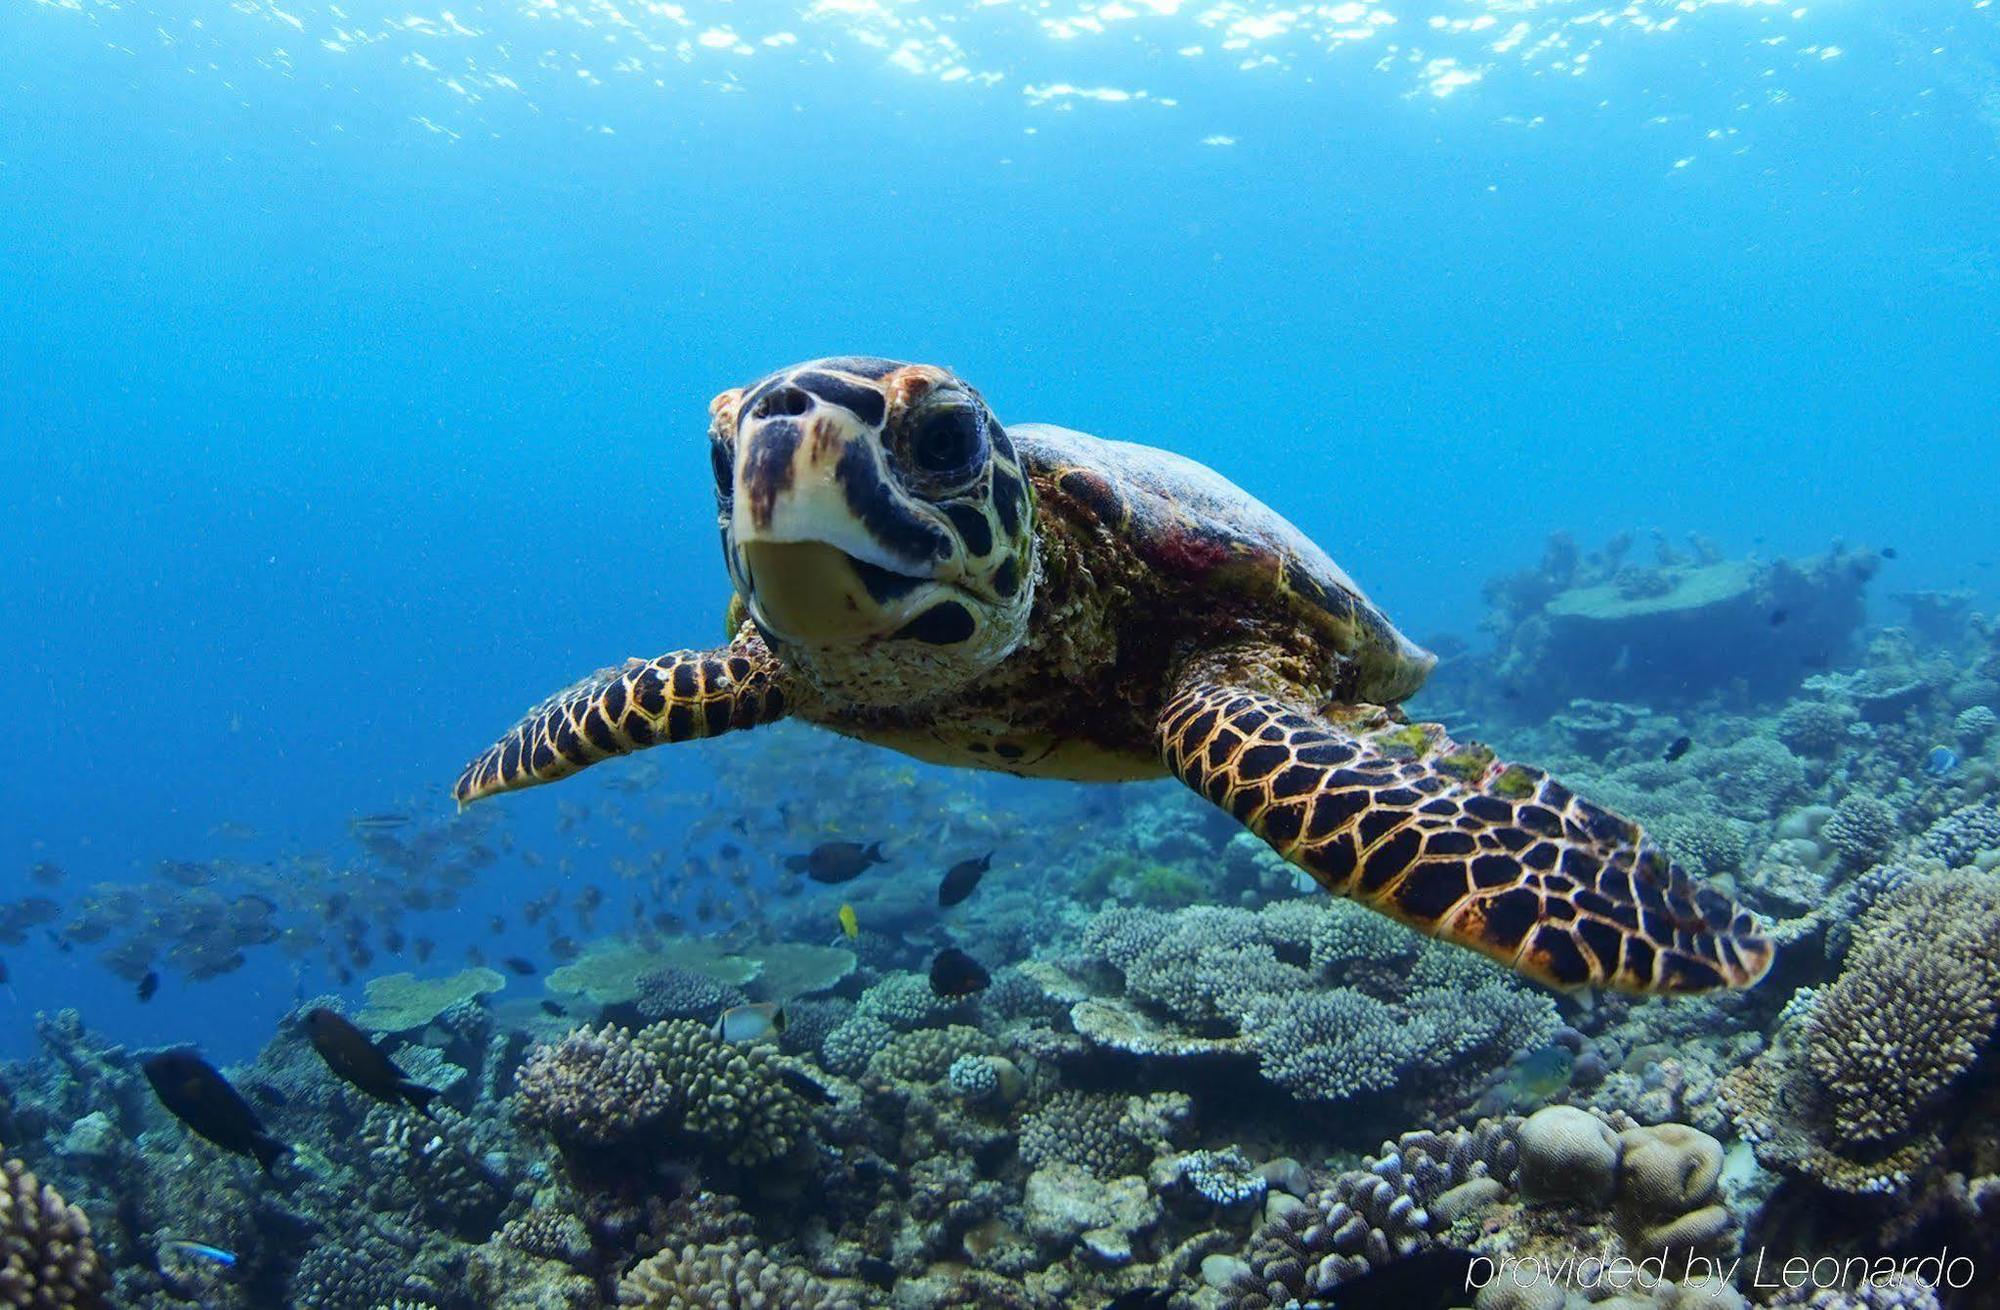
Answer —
788 402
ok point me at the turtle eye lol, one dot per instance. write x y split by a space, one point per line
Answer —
724 465
949 440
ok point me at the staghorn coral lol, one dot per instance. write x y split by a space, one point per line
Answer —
1861 829
1122 934
1334 1045
1913 1009
47 1258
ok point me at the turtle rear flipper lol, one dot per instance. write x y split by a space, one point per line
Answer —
1501 858
683 696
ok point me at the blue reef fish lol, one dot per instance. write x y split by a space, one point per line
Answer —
203 1251
1940 762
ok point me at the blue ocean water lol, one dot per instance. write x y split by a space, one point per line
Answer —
354 360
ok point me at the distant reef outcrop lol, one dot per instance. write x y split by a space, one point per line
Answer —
1682 628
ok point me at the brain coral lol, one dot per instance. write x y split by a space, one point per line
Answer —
1913 1008
47 1260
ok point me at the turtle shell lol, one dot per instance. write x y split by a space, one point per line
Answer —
1183 519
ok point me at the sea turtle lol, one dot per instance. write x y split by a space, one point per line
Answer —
1041 602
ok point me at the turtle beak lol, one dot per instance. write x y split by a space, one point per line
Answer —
826 547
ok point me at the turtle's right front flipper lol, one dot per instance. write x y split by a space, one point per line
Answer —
683 696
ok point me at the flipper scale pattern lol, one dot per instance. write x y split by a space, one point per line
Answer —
1498 857
682 696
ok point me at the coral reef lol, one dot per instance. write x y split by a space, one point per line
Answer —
1189 1071
47 1260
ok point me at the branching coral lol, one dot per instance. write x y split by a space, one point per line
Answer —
1862 828
731 1093
1960 836
726 1270
605 1087
596 1088
47 1259
1913 1009
1814 727
672 993
1367 1218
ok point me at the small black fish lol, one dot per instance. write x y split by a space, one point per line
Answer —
962 879
1888 552
497 924
1433 1279
4 976
523 967
876 1272
954 973
1677 748
1778 617
1142 1298
201 1098
356 1060
550 1007
149 984
837 861
807 1086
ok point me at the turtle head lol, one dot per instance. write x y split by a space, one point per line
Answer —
877 525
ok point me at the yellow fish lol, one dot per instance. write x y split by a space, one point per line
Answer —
848 923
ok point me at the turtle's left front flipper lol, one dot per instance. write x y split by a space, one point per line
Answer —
683 696
1498 857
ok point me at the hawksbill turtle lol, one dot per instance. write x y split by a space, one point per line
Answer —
1034 600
